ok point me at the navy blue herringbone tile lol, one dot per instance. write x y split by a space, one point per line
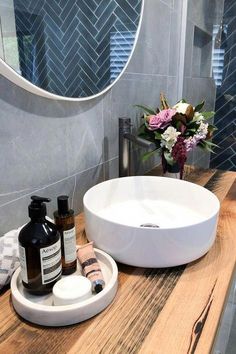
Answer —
65 45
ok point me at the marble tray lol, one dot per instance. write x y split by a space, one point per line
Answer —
40 309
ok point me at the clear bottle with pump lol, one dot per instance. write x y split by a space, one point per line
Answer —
64 219
39 250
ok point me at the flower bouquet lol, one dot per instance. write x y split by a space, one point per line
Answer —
176 131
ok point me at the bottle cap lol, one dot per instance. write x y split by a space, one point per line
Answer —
63 205
37 208
98 285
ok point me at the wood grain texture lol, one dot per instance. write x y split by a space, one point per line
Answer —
202 290
161 311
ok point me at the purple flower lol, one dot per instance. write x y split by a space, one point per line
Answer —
162 119
191 142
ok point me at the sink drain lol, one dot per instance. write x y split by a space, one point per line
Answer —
154 226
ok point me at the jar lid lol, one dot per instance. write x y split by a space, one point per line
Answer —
71 289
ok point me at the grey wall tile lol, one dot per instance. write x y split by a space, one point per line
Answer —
151 54
169 3
36 106
177 5
111 169
130 90
189 49
1 46
174 50
31 147
84 181
74 186
204 13
15 213
172 87
85 150
42 145
198 89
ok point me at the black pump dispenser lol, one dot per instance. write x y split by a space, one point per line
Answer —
39 250
37 208
63 204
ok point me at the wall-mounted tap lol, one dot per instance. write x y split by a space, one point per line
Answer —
125 138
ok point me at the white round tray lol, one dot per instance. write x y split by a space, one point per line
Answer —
40 309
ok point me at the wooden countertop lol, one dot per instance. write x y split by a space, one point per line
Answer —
162 311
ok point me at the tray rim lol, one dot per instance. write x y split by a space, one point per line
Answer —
17 295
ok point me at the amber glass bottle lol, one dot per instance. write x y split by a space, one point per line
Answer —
64 219
39 250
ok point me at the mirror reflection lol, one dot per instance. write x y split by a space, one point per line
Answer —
72 48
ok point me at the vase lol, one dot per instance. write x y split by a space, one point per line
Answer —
172 171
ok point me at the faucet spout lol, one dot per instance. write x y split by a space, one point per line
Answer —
125 137
139 141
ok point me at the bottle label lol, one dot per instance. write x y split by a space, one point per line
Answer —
69 241
50 259
23 264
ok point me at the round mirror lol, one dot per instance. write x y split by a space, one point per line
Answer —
67 49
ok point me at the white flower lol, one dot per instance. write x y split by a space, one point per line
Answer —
203 129
198 117
181 107
169 138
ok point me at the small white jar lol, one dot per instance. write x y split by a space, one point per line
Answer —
71 289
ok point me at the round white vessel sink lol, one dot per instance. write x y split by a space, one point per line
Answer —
150 221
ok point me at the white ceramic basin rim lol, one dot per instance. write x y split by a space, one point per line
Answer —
151 221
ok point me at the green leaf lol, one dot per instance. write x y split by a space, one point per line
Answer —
148 154
210 143
208 115
199 106
212 128
142 129
178 125
208 148
182 101
206 145
195 119
146 109
157 135
168 158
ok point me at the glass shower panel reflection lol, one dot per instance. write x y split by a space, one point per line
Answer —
198 82
210 74
224 70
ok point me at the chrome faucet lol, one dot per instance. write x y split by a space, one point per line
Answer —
125 138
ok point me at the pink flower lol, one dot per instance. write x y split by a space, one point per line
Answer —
162 119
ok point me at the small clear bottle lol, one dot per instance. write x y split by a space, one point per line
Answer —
64 220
